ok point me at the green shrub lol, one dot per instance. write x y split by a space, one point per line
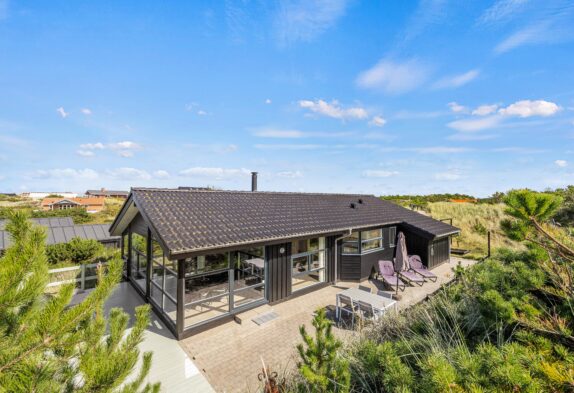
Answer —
321 365
76 251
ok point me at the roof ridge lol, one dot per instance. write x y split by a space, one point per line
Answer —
247 192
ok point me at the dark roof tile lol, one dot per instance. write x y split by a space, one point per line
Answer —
194 220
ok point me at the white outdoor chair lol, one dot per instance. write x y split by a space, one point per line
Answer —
346 305
364 288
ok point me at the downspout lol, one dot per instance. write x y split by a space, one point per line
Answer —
336 253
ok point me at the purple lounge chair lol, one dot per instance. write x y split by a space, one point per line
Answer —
418 267
387 273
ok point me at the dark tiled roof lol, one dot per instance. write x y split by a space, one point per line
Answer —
62 230
107 193
194 220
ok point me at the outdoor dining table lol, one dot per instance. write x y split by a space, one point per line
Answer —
379 303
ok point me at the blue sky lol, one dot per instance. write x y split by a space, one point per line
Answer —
378 97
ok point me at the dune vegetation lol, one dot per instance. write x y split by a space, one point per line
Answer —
475 221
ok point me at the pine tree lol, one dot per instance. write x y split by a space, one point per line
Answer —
531 212
321 365
47 346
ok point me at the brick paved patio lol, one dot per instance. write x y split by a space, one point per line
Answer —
230 355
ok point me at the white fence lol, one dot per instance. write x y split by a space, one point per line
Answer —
74 274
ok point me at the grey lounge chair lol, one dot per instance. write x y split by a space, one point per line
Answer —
411 277
387 273
418 267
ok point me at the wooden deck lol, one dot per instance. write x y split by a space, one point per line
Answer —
170 365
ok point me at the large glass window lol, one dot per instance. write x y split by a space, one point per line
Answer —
216 284
307 263
392 236
139 260
363 242
351 243
163 282
248 276
206 288
371 240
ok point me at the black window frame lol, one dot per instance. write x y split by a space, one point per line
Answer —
359 242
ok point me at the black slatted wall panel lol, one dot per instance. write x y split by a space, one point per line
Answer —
439 252
278 271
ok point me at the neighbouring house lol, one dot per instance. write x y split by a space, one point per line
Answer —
103 193
42 195
202 256
63 229
91 204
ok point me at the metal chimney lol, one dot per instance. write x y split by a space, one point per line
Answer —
253 181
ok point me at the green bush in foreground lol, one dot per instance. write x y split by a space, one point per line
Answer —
75 251
46 346
321 366
505 325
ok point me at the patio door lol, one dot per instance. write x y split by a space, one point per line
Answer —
308 266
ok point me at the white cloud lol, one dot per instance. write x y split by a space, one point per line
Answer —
86 111
379 173
202 113
555 28
528 108
85 153
470 137
128 174
289 174
277 133
455 81
92 146
62 112
269 132
125 145
501 10
67 173
126 153
268 101
215 173
377 121
472 125
561 163
161 174
302 20
333 109
484 110
456 108
289 146
448 176
394 77
124 149
439 149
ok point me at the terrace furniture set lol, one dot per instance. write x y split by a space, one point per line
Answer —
414 273
360 301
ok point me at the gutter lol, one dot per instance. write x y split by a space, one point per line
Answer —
336 253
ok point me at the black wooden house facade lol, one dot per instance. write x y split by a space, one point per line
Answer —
202 256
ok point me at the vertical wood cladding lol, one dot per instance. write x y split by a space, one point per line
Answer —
278 271
439 252
369 261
